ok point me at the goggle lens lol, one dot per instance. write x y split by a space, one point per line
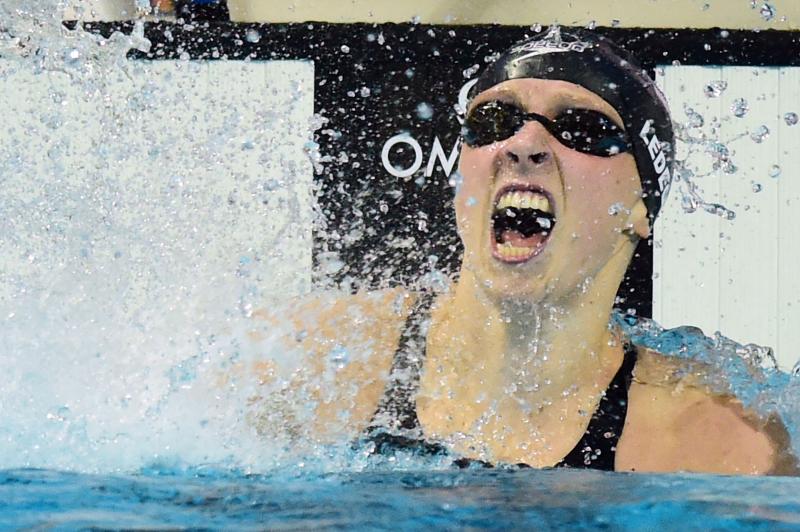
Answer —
583 130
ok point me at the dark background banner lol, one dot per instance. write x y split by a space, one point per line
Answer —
374 82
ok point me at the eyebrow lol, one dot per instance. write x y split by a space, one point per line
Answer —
505 97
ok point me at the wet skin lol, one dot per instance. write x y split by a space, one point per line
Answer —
518 355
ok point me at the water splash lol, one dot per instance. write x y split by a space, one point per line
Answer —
132 263
34 31
748 372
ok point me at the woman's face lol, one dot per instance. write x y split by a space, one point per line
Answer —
587 199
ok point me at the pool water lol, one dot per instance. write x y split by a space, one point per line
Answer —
398 500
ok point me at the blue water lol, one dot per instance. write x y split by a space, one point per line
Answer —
479 499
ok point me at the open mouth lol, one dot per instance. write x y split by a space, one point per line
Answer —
522 221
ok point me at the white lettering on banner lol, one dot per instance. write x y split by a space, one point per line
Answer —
407 139
657 155
437 153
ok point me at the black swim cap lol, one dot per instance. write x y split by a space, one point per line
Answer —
599 65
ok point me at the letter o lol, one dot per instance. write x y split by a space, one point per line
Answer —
408 139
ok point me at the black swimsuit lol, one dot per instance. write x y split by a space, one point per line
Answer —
395 424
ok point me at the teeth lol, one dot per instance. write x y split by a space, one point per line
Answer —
524 199
507 251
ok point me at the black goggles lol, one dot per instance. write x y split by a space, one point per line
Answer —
583 130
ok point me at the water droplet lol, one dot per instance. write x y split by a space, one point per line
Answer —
774 171
615 23
252 35
729 168
345 49
455 180
724 34
720 210
757 187
767 11
739 107
707 47
339 357
760 135
790 118
469 72
695 118
616 208
364 92
415 19
591 25
715 88
381 40
424 111
471 201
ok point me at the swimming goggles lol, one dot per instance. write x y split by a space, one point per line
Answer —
583 130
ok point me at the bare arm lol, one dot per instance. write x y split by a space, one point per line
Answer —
677 424
341 347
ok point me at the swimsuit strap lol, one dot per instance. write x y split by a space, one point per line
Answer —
598 446
395 424
397 411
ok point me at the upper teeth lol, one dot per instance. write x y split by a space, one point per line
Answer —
524 199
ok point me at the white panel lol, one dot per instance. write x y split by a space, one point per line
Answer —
211 152
686 255
749 245
736 276
788 208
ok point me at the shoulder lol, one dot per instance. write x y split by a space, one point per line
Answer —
676 421
319 312
334 349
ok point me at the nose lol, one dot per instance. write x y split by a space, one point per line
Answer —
528 149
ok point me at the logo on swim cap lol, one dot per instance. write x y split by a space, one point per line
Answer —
657 155
535 48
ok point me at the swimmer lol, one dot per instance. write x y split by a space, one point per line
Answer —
566 158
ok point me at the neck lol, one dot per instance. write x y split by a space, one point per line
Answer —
536 350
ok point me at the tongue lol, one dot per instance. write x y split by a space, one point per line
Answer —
517 239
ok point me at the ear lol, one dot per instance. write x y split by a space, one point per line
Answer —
638 222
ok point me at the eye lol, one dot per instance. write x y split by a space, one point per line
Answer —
491 122
591 132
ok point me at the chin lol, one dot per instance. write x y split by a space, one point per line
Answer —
500 285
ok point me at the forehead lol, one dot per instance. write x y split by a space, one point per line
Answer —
546 97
